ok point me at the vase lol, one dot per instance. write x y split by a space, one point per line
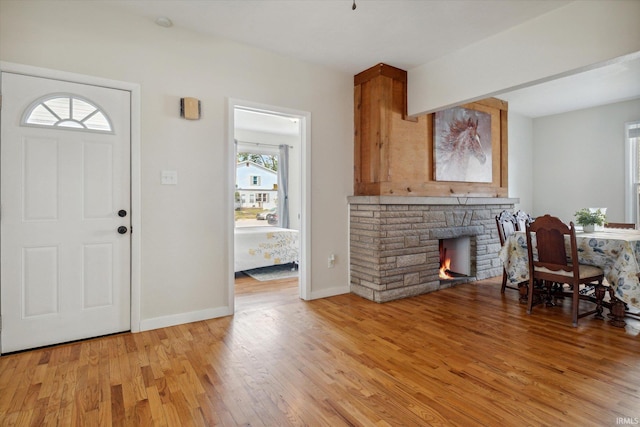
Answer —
598 227
589 228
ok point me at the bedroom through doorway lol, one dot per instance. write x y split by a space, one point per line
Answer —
268 202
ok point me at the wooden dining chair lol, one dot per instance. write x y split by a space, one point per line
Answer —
621 225
522 219
549 263
506 223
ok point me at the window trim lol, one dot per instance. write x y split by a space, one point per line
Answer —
632 173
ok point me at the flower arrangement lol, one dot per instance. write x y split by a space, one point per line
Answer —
587 216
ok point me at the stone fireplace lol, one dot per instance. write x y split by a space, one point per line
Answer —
395 242
400 214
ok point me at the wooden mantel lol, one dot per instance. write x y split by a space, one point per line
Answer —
394 153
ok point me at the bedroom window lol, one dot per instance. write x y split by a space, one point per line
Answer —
66 112
255 180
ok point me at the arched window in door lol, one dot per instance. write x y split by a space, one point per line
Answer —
67 111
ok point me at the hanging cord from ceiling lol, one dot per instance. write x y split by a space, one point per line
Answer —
353 7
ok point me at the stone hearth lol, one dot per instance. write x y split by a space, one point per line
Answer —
394 242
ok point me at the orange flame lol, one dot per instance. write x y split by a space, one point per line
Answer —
444 268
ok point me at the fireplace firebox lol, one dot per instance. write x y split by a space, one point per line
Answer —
455 258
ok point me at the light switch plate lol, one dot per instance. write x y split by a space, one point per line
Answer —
169 178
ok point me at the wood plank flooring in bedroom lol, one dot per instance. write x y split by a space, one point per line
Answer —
462 356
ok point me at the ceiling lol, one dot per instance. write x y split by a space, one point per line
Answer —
611 83
402 33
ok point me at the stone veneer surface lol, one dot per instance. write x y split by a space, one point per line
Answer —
394 241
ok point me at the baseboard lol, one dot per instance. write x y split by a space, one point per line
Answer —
179 319
331 292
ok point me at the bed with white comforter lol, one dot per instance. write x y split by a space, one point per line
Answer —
265 246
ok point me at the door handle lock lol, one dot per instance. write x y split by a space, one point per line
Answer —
122 213
122 229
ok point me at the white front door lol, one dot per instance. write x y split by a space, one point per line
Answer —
64 211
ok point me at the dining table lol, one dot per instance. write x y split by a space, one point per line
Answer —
615 251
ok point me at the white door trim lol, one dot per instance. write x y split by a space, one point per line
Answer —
305 211
136 229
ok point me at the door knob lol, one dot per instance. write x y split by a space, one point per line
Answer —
122 213
122 229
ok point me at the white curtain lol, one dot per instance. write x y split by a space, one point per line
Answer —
283 186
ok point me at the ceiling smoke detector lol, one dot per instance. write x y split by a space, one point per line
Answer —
163 21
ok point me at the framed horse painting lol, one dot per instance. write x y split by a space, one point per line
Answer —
462 145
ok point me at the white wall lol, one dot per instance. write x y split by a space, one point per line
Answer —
520 156
578 160
185 227
565 40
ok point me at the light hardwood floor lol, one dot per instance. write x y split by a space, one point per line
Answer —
463 356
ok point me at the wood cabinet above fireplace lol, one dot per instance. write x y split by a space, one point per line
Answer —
394 154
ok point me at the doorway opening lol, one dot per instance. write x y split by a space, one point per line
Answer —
269 178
